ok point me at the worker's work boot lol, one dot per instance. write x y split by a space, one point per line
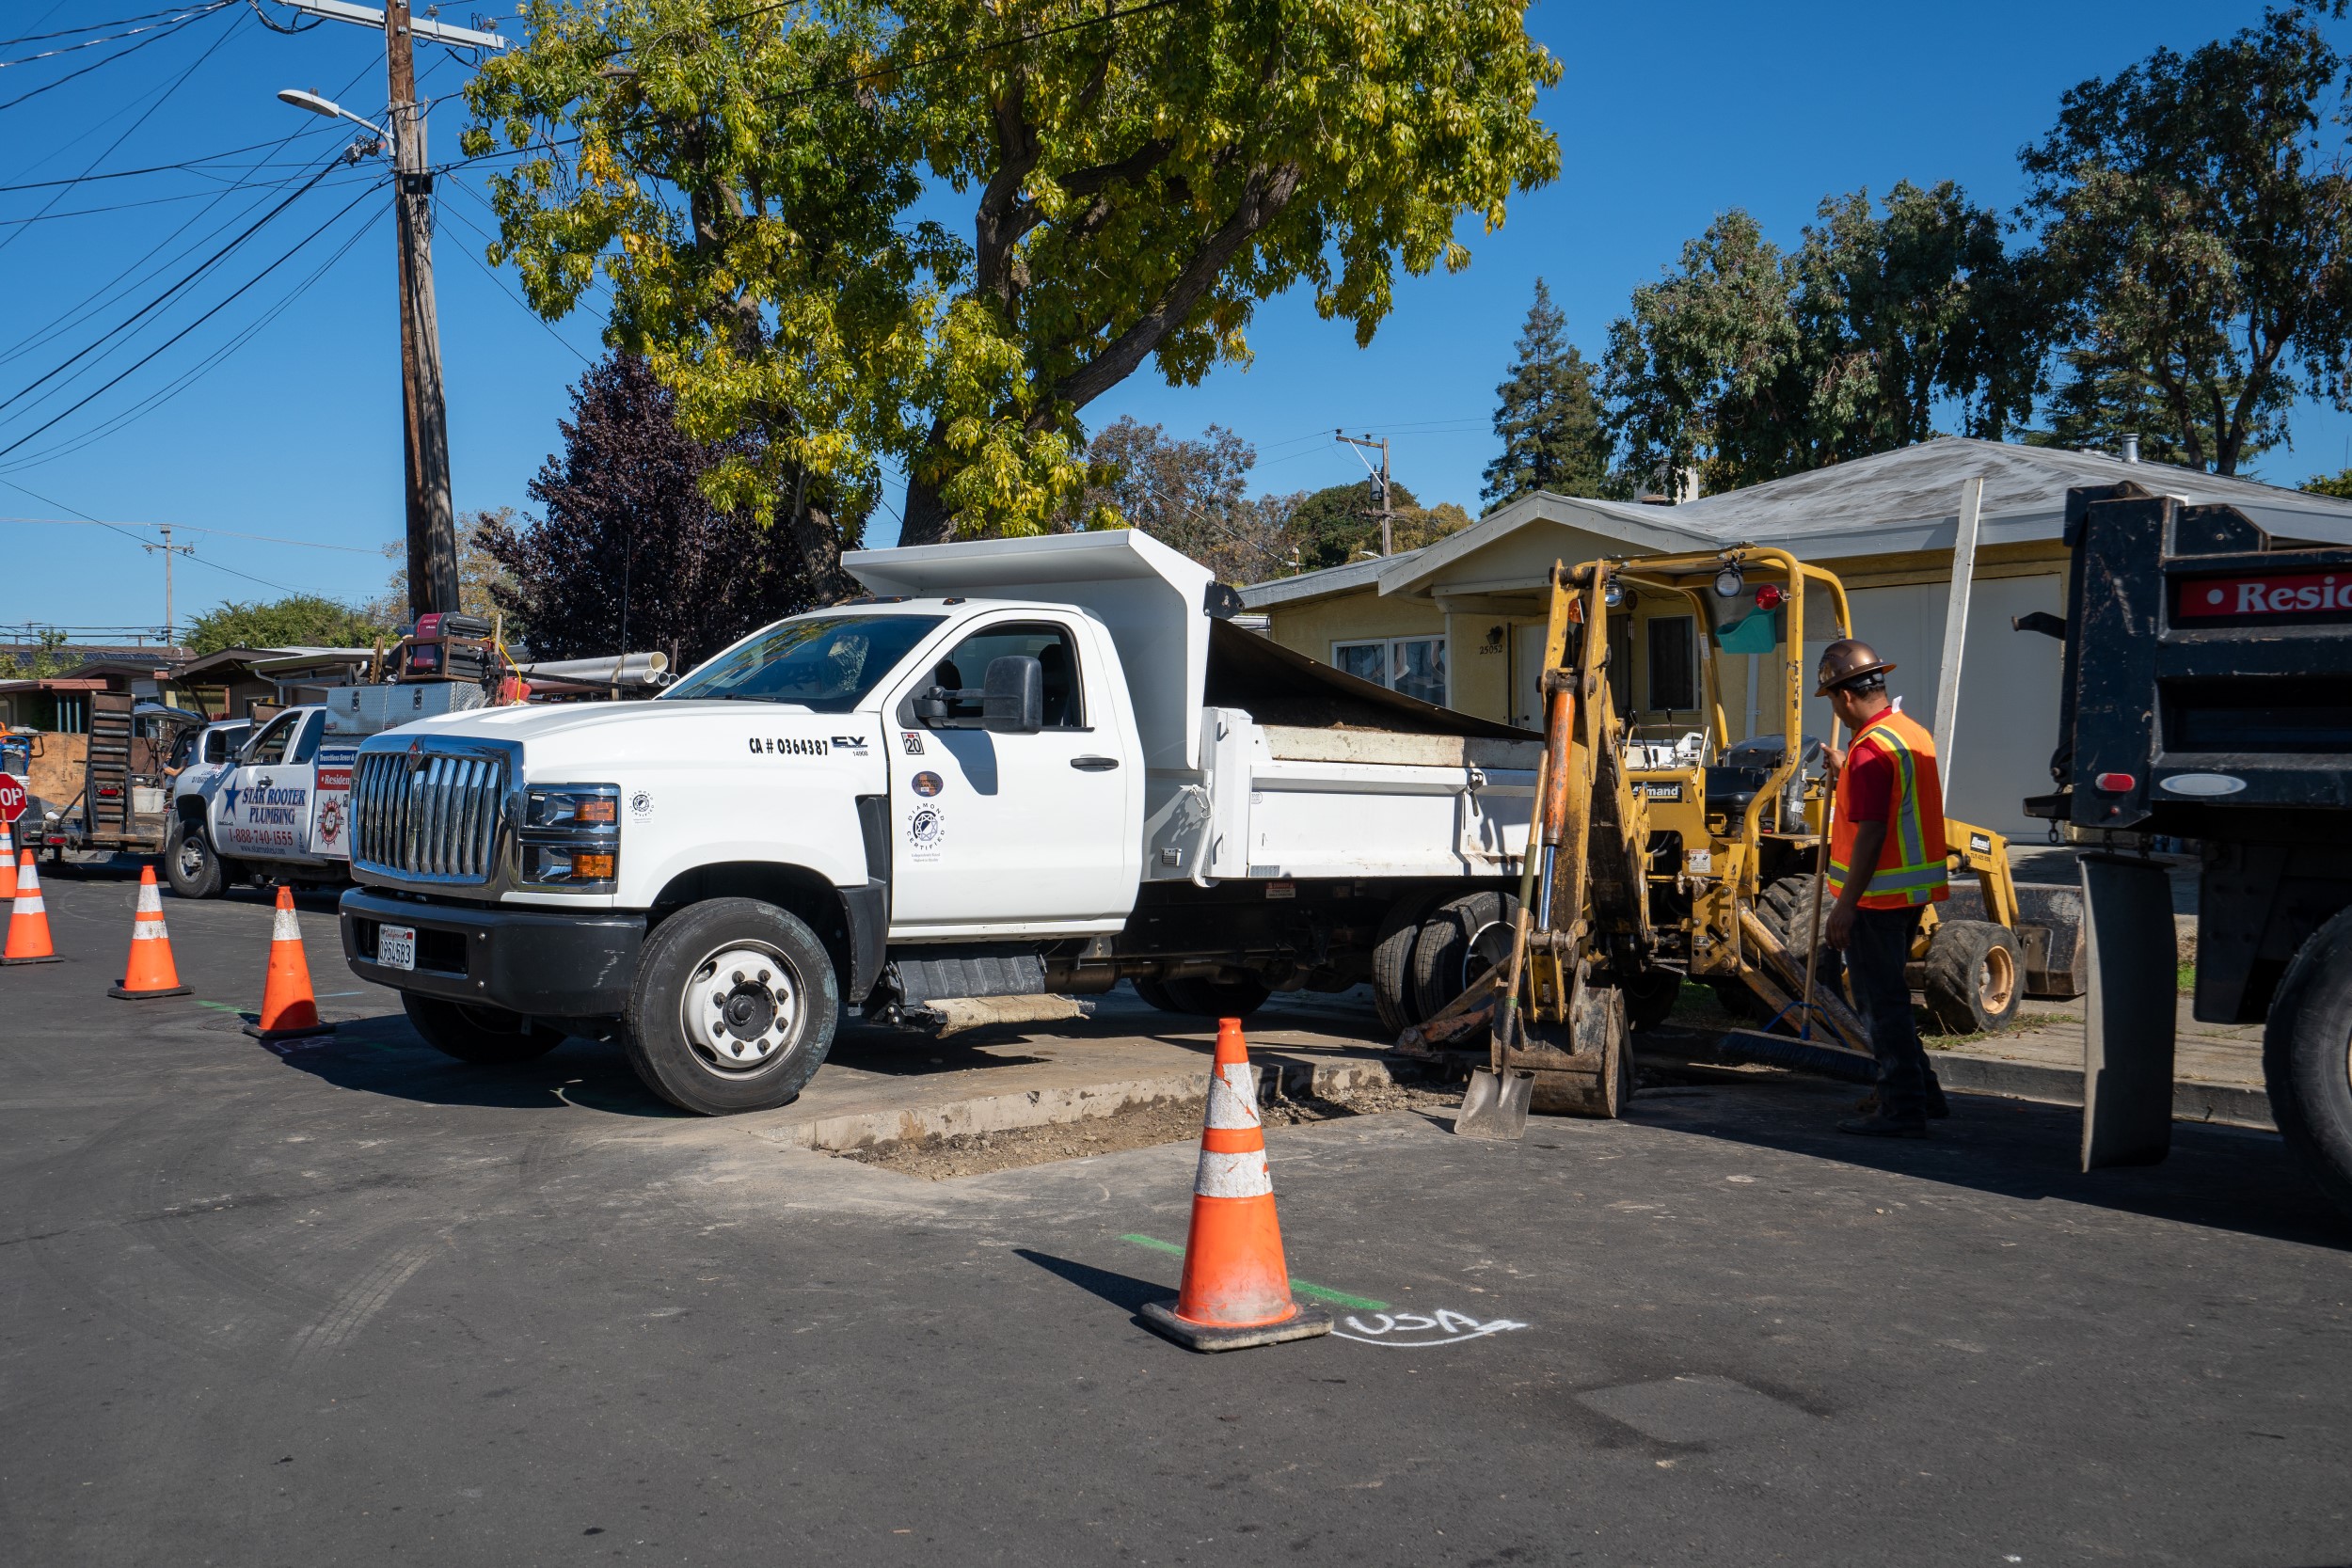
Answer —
1884 1126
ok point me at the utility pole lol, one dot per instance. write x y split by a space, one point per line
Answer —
425 412
172 627
432 519
1386 512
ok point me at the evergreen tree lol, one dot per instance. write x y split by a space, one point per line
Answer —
631 554
1549 418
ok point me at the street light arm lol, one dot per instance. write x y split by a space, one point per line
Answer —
318 105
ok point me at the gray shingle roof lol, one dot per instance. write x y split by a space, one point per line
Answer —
1910 500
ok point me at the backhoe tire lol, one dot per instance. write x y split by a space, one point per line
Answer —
1392 961
485 1037
1976 977
1462 941
2307 1058
1786 910
1218 998
1650 996
190 865
1154 992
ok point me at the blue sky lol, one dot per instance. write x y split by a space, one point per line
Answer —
294 431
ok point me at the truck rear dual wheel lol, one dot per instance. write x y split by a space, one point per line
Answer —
1466 938
734 1007
1393 947
486 1037
2307 1058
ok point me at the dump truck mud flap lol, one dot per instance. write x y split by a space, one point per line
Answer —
2129 1012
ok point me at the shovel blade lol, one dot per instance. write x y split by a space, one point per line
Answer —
1495 1106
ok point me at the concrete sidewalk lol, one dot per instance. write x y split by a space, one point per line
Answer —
2216 1068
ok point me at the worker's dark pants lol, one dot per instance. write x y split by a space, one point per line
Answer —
1875 956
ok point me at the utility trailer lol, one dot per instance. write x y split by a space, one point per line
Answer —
2208 697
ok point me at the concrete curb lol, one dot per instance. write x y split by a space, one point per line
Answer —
1048 1107
2227 1105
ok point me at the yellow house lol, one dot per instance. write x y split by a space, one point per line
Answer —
1459 622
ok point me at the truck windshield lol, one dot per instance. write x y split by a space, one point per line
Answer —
825 662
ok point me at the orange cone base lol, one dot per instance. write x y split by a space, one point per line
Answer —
1304 1323
115 989
44 958
302 1032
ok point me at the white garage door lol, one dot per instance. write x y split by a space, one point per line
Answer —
2008 690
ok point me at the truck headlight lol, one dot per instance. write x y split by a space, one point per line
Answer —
571 837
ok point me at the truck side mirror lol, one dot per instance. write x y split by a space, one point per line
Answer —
1012 701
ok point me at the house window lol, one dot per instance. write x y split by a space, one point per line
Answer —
1412 665
1674 684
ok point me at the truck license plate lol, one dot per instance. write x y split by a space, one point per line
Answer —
396 946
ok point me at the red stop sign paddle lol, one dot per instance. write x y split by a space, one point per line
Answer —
13 798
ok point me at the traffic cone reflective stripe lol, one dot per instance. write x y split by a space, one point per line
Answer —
288 1010
148 971
28 920
1237 1290
8 862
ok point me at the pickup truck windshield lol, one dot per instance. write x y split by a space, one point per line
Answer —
825 662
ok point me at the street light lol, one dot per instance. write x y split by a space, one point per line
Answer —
318 105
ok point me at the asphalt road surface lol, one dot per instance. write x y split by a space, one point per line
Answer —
358 1303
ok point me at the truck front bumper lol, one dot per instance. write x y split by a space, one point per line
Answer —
542 963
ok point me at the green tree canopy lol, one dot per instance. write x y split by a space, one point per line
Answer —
296 621
1748 363
754 184
2196 225
1548 416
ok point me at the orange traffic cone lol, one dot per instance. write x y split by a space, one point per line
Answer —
8 862
28 920
288 1012
1236 1292
148 971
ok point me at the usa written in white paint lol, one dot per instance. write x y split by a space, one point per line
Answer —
1415 1330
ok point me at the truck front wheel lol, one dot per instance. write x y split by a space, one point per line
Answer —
734 1007
486 1037
2306 1058
189 864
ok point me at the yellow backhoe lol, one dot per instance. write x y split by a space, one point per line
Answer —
1654 861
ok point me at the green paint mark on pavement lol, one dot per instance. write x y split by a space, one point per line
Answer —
219 1006
1304 1288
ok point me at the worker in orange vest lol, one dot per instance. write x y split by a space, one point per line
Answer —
1885 867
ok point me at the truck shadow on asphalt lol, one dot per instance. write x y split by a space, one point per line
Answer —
383 1055
2223 1178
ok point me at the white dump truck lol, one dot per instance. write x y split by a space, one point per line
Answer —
1025 767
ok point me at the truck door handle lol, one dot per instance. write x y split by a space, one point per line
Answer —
1093 765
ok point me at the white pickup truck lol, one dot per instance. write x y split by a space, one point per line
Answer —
272 800
1025 768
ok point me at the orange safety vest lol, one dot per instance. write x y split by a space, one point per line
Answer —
1910 871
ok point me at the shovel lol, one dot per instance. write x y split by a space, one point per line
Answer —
1495 1104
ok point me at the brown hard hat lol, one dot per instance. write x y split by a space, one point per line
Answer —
1849 660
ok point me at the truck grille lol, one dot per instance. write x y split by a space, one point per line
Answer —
437 820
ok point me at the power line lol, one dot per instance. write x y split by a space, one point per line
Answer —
100 64
199 320
92 26
153 168
160 98
49 500
199 527
203 367
83 309
185 283
185 15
